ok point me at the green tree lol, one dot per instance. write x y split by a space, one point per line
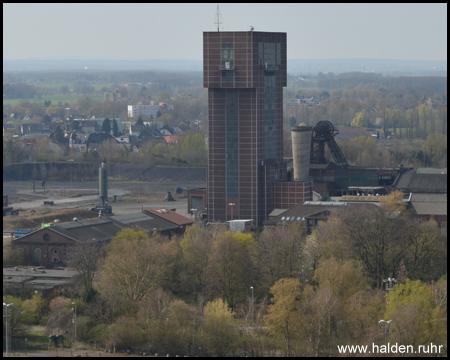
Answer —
19 317
164 96
219 337
394 202
60 314
139 121
115 128
64 90
283 318
337 282
196 247
359 120
126 333
75 125
58 135
435 149
84 257
173 328
377 239
193 149
362 311
426 256
135 264
13 150
411 308
106 126
231 268
280 254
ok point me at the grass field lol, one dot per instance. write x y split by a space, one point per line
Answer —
55 99
56 85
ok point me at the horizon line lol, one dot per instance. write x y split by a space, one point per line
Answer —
173 59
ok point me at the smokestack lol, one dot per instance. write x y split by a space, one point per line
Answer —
103 183
301 151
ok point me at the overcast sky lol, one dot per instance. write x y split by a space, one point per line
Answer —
174 31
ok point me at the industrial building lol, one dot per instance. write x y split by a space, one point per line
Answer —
247 177
49 246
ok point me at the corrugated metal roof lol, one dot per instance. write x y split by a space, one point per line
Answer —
431 171
131 218
107 227
430 208
429 204
427 182
434 198
276 212
82 223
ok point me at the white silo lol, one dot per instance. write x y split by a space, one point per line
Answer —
301 151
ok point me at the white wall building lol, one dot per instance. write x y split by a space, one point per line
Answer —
147 110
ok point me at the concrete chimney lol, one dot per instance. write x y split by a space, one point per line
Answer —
301 151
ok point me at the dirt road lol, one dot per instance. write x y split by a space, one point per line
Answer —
133 195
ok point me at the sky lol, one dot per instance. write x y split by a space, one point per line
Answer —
174 31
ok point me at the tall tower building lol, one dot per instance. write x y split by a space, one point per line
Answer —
245 73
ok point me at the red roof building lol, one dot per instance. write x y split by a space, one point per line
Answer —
171 216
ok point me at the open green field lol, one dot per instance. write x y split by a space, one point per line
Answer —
56 85
55 99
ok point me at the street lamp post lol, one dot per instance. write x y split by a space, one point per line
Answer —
6 326
389 287
231 204
70 170
385 322
75 325
253 319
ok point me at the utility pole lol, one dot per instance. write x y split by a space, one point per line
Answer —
75 325
385 322
6 327
253 305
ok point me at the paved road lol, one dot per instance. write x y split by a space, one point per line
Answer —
62 202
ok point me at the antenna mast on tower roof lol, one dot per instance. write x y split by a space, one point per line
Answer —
218 22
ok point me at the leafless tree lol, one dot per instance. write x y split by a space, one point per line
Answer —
84 257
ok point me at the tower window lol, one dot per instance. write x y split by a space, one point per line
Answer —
227 54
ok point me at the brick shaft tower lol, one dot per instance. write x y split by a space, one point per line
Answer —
245 73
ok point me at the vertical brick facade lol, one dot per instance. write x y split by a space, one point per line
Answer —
288 194
245 73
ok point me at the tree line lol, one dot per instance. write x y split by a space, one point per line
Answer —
276 291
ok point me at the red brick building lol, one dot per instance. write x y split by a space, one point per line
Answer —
245 73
